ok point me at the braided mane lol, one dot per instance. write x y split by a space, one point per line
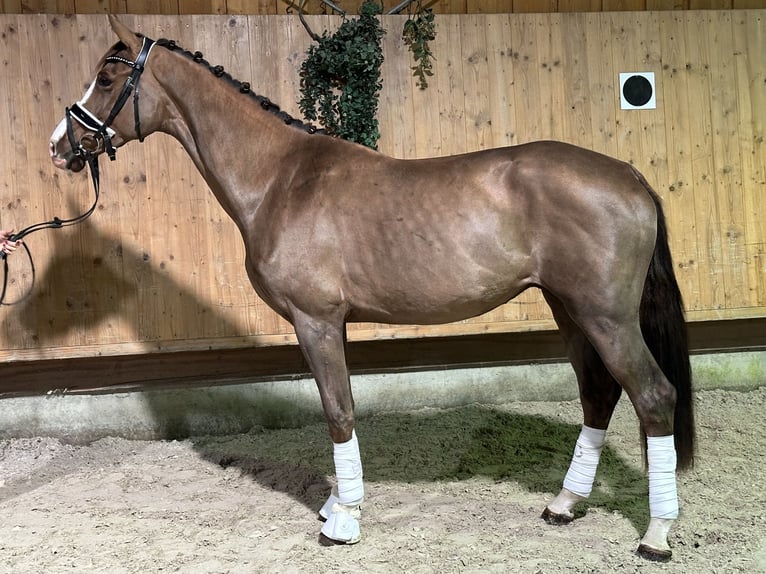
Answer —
243 87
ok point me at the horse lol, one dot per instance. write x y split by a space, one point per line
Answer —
336 232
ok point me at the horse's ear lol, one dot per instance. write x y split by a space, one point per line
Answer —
126 36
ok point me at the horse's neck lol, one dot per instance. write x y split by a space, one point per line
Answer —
237 147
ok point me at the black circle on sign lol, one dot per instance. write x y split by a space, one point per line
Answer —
637 90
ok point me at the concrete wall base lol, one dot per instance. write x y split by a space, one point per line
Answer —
238 408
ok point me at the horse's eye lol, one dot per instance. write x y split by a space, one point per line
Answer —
104 82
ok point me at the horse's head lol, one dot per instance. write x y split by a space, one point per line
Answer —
106 118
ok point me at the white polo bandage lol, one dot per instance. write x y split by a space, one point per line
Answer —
582 471
663 497
348 471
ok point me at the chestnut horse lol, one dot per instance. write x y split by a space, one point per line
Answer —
337 232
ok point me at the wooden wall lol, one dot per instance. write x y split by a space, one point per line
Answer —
159 266
315 6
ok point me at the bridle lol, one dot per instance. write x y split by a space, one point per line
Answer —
89 143
87 147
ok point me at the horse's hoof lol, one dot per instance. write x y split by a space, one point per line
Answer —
555 518
342 525
324 541
653 554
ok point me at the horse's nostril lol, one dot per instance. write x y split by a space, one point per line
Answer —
76 164
52 149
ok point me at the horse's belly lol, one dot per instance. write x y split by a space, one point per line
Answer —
430 297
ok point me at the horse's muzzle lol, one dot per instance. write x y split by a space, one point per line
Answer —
70 161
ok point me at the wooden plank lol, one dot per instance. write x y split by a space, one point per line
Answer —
46 6
500 60
576 108
81 257
623 5
667 4
100 6
603 84
448 83
535 6
679 196
478 119
579 6
10 6
425 104
710 256
152 6
544 58
290 6
553 69
750 38
37 121
196 368
397 113
447 6
627 57
708 330
262 41
17 211
489 6
252 6
710 4
653 129
202 6
526 85
12 150
728 160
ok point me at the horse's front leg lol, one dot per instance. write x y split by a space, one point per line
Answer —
323 344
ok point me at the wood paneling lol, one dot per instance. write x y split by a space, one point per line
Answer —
159 267
177 7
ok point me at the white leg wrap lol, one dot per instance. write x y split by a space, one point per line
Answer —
348 471
663 497
341 511
582 471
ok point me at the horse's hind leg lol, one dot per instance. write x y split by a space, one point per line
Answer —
323 344
599 393
621 346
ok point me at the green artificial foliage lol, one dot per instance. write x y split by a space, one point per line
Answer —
340 78
419 30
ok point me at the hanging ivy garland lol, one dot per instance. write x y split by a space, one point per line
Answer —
340 78
419 30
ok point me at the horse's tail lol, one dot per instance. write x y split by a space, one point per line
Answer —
663 325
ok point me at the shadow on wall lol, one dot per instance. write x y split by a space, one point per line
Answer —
93 283
99 284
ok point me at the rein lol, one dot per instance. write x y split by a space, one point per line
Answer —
87 150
